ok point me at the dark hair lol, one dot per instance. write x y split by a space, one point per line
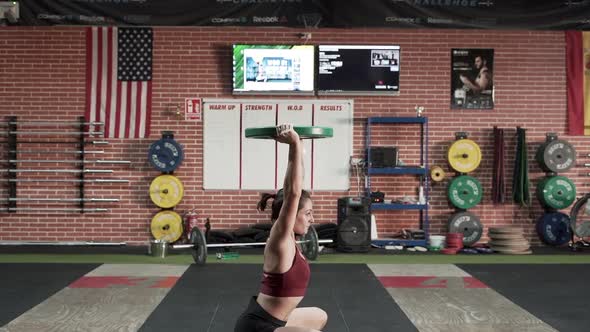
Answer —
480 55
277 202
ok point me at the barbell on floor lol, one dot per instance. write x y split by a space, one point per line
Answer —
309 245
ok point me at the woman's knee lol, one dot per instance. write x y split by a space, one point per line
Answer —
323 316
312 317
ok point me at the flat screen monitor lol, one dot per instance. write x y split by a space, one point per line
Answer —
358 69
273 69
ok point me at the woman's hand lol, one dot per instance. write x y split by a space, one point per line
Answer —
286 134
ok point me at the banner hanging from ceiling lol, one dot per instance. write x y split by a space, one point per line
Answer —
462 14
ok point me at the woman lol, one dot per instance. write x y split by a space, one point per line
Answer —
285 271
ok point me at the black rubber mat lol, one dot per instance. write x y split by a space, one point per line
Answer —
26 285
554 293
210 298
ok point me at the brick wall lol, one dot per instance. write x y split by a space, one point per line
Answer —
42 77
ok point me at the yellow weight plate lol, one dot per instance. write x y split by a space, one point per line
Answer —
166 191
464 155
167 226
437 174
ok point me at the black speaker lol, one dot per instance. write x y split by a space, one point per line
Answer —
354 224
383 156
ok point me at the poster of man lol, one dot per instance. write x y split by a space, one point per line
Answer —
472 80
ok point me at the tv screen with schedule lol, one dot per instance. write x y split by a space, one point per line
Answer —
358 69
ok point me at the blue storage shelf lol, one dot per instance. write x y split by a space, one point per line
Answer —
420 170
397 206
398 170
398 242
397 120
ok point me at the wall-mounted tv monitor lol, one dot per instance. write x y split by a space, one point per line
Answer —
358 69
273 69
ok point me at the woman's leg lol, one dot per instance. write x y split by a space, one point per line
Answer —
295 329
310 317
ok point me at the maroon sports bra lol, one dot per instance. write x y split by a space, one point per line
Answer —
291 283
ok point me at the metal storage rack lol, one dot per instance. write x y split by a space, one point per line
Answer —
420 170
52 135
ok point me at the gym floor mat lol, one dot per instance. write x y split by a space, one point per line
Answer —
26 285
211 298
555 293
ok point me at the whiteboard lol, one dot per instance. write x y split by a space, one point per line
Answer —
221 145
332 156
232 161
258 155
299 114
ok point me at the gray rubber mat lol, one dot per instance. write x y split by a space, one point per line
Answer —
210 298
26 285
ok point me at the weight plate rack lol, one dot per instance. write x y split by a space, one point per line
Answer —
555 192
464 191
166 190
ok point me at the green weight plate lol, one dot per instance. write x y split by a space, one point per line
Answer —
467 224
310 248
304 132
199 250
556 192
556 156
465 192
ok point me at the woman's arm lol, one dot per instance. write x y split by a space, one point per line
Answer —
293 183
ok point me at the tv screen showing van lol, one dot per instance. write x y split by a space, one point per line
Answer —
273 69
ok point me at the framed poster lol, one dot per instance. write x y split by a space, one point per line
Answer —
472 82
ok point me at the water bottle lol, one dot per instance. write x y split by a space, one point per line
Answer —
228 255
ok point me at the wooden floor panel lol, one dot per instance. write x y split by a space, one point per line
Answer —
112 297
440 270
452 309
444 298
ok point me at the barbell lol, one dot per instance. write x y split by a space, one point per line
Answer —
20 132
56 152
310 245
20 161
67 180
11 170
53 123
304 132
59 142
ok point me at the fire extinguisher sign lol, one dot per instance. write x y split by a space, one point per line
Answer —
192 109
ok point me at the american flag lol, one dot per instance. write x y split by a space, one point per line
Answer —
119 80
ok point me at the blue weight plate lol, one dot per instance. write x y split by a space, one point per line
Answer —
554 228
165 155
